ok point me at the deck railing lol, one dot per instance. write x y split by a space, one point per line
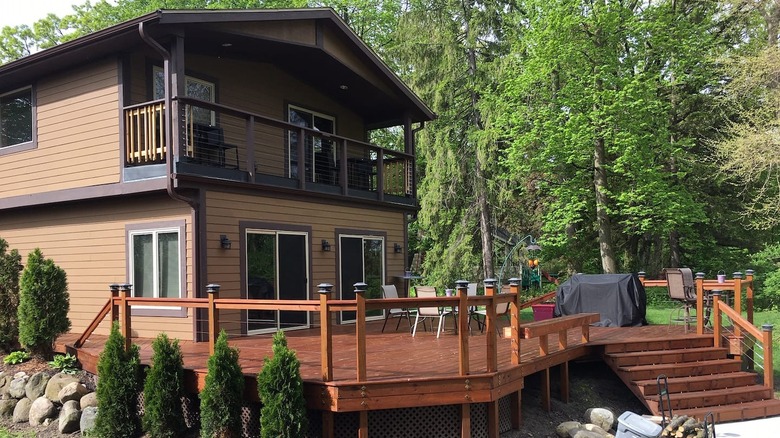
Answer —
265 150
737 285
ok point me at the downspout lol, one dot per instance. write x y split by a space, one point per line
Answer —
192 202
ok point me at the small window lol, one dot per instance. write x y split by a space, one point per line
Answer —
155 263
16 117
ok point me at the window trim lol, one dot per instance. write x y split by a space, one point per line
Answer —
188 77
179 226
288 149
28 145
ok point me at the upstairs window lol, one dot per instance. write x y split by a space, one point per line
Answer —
16 117
193 87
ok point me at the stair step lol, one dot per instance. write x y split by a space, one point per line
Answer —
716 397
694 341
698 383
738 412
668 356
647 372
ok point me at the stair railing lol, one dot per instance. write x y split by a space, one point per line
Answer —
763 337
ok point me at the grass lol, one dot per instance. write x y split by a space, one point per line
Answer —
4 433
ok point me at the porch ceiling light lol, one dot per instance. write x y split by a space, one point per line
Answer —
227 44
344 87
325 245
224 242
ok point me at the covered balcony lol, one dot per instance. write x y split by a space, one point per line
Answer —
218 141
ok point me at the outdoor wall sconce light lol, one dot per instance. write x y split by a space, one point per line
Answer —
325 245
224 242
397 248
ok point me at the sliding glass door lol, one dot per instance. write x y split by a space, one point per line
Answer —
361 260
277 268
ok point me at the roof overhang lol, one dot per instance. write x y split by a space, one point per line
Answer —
385 101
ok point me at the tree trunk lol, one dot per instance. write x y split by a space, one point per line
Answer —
674 249
608 264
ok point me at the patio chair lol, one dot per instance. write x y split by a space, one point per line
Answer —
472 292
681 288
502 309
389 291
429 312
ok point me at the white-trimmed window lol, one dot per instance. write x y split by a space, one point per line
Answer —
155 263
16 117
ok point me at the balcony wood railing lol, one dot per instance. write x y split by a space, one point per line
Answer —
145 133
266 150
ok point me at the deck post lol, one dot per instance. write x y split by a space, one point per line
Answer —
716 319
769 378
326 333
749 296
360 334
699 303
737 300
326 353
490 326
213 292
516 414
493 418
563 344
114 308
124 291
462 286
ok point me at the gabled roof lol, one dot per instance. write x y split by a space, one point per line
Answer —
381 103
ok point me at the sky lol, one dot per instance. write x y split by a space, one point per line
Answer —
17 12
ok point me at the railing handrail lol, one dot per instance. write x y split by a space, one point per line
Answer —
143 104
288 126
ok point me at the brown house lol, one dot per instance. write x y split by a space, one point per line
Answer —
184 148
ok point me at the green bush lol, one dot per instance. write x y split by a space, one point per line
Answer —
281 390
66 363
10 267
43 304
117 389
16 357
220 400
163 390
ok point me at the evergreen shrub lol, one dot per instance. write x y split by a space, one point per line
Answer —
117 389
163 390
10 267
43 304
221 398
281 390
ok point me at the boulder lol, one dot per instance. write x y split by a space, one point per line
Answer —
22 411
70 417
16 388
56 383
563 429
87 422
7 407
20 375
88 400
72 391
604 418
5 382
595 428
41 409
584 433
36 386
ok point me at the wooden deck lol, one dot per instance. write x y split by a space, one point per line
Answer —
393 357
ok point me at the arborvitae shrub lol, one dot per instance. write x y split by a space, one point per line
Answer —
220 400
43 304
163 391
10 267
280 386
118 386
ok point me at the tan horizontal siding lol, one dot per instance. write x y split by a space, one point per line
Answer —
77 116
89 242
226 210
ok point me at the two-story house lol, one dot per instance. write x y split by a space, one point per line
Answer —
184 148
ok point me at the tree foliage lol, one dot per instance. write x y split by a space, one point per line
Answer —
44 303
220 400
10 267
119 382
280 386
163 390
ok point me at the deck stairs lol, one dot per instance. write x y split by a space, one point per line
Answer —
701 378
